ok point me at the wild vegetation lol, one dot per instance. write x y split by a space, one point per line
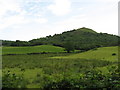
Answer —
60 70
77 59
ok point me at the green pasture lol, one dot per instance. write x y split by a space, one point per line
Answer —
103 53
31 49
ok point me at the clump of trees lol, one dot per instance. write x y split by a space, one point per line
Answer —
69 46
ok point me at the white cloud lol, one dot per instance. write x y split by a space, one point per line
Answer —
60 7
41 20
20 20
107 1
32 7
8 5
21 15
71 23
6 19
12 20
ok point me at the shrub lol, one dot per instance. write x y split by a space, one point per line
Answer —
113 54
13 81
90 79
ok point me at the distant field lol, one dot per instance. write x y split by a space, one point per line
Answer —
31 49
103 53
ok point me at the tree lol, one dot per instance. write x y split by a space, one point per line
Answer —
69 46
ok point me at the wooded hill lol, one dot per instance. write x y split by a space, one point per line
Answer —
82 39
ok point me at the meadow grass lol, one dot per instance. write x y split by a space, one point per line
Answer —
31 49
42 68
103 53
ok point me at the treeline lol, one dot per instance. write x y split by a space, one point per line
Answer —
81 39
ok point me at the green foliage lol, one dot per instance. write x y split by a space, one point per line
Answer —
83 39
15 43
70 70
12 81
88 79
69 46
91 79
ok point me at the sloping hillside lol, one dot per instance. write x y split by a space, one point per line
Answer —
82 38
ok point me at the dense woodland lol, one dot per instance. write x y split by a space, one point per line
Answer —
80 39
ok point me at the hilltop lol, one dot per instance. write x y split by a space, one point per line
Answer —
82 38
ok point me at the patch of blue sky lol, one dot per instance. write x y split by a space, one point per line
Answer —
34 7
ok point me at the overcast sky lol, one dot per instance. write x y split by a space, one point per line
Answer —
30 19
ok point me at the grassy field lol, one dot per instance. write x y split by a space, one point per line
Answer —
31 49
44 69
103 53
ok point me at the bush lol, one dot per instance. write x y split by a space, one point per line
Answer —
113 54
90 79
13 81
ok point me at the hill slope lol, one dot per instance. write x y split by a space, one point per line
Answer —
82 38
